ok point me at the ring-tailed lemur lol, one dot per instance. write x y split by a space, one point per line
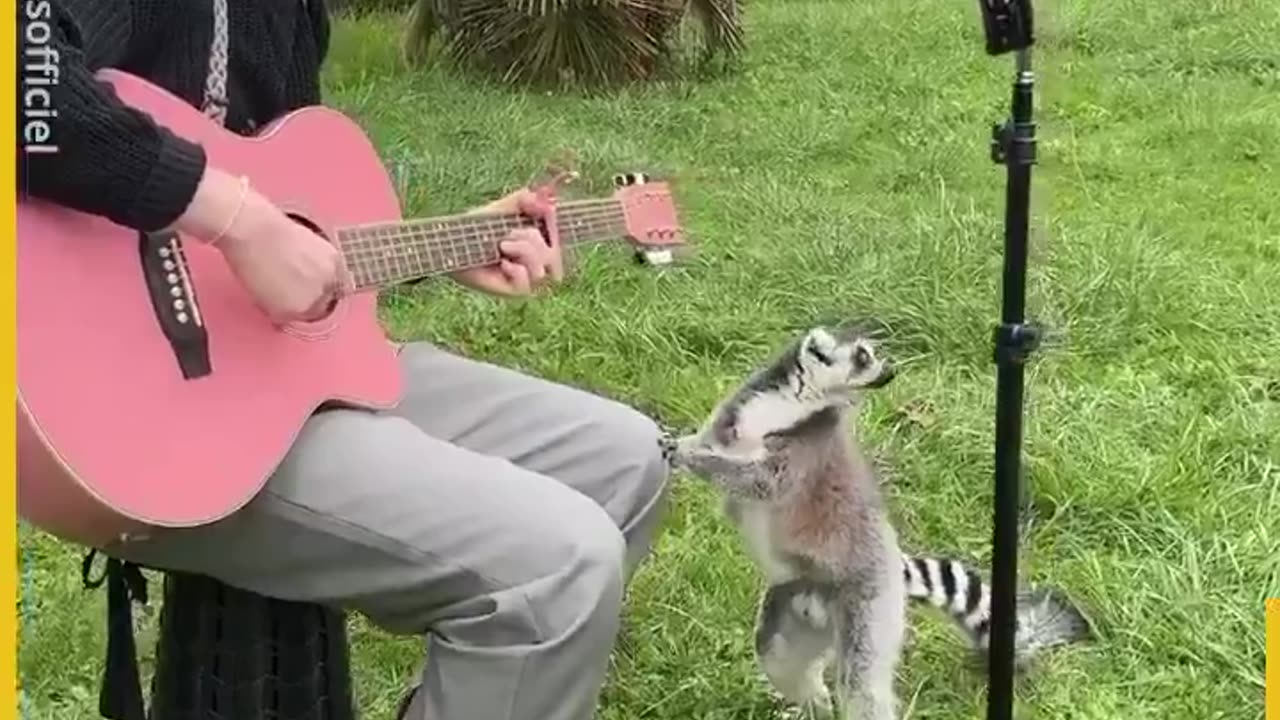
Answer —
781 451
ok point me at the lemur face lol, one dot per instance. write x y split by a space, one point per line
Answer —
842 361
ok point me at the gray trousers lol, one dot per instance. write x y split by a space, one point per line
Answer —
497 514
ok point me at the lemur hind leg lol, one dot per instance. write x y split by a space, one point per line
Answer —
794 640
870 624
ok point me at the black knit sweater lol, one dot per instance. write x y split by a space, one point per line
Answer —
114 161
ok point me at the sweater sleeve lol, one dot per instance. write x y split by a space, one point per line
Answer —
111 160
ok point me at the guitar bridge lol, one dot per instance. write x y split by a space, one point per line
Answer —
172 293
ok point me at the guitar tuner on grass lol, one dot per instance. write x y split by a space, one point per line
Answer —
108 320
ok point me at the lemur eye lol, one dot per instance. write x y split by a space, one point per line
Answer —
861 357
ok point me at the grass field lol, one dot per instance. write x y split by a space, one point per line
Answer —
845 172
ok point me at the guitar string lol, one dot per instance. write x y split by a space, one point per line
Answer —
376 249
562 205
392 273
372 230
565 206
364 238
421 263
393 242
415 258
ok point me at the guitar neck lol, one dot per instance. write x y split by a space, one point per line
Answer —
382 255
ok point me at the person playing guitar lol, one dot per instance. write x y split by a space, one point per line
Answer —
498 514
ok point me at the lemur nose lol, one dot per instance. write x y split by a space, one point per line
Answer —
887 373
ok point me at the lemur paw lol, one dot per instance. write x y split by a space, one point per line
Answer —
679 450
818 709
668 444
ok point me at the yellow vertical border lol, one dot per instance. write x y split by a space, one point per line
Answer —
1273 659
8 378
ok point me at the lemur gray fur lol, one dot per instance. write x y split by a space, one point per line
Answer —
781 451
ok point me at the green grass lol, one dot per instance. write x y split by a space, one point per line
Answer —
845 172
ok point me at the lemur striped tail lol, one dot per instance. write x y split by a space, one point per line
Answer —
1045 618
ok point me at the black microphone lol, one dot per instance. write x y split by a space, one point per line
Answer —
1007 24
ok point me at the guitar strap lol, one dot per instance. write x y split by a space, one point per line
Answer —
215 84
120 696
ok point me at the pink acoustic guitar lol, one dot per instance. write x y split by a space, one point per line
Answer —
152 392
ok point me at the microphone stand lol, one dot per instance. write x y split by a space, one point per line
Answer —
1008 28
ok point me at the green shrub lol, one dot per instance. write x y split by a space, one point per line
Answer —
569 42
358 7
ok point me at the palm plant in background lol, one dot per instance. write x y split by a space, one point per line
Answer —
569 42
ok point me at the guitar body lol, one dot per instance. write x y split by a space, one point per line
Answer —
114 436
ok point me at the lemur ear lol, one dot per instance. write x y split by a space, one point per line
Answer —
820 343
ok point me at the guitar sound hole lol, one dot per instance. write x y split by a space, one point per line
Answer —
313 227
304 222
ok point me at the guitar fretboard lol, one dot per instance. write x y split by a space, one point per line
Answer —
386 254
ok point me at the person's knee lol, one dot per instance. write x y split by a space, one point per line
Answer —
561 578
588 586
642 470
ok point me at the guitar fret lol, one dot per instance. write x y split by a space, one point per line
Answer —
389 252
418 265
379 262
386 254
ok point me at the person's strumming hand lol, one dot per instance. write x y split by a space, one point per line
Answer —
527 261
292 273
